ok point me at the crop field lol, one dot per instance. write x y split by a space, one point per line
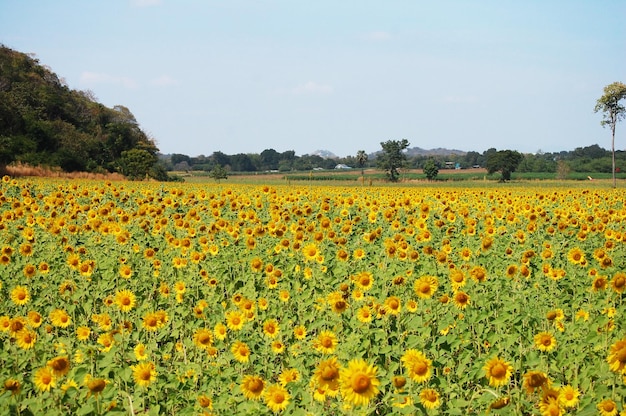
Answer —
248 299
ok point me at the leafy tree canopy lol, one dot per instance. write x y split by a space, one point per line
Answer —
503 161
393 158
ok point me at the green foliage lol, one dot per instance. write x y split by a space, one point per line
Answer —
503 161
430 169
43 122
218 173
393 158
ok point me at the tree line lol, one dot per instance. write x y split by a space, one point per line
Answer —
45 123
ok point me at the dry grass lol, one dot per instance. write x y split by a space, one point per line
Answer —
19 170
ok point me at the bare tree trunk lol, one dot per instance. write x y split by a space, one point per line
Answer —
613 154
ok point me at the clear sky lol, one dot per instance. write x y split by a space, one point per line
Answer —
242 76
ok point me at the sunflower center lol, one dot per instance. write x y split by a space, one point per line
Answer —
243 351
608 406
361 383
255 386
204 339
394 304
329 373
425 288
278 397
327 342
498 371
621 355
420 368
546 341
46 379
620 282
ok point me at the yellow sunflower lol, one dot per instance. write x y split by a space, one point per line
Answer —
95 385
203 338
617 356
60 318
12 385
44 379
607 407
25 338
234 320
498 372
364 280
358 382
252 387
534 380
545 341
461 299
299 332
276 398
125 300
393 305
240 351
20 295
426 286
429 398
326 374
271 328
618 282
568 397
326 342
418 366
59 366
289 375
144 373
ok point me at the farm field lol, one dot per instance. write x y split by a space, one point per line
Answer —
204 298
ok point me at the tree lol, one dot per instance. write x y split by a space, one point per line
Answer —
503 161
361 160
430 169
393 158
136 163
613 111
218 172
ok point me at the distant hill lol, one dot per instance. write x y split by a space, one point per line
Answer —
45 123
326 154
418 151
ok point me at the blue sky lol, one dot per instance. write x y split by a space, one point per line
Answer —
242 76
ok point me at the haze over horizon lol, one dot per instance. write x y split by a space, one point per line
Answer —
244 76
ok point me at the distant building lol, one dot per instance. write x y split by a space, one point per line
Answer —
342 166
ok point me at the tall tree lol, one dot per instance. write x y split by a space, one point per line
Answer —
393 157
503 161
613 111
361 160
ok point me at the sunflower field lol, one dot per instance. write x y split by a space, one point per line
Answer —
200 299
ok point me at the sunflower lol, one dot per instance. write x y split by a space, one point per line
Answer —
498 372
358 254
203 338
240 351
144 373
234 320
576 256
364 280
278 347
417 365
205 401
617 356
34 319
95 385
310 252
461 300
429 398
25 338
568 397
326 342
20 295
125 300
326 374
59 366
426 286
60 318
12 385
618 282
358 382
44 379
16 325
600 282
299 332
5 323
140 352
457 279
393 306
364 314
276 398
289 375
534 380
252 387
271 328
545 341
607 407
107 341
